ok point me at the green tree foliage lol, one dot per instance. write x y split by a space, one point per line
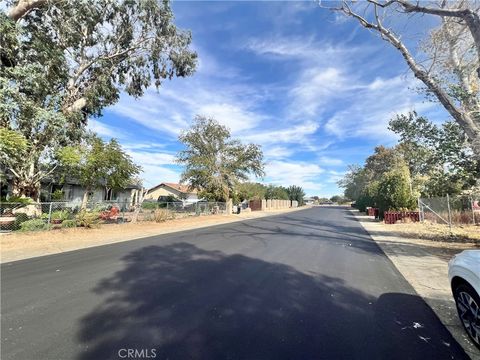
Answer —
363 184
338 199
439 157
250 191
393 191
296 193
276 192
98 164
64 61
214 162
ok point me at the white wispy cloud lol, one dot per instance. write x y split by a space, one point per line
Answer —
372 105
294 172
105 130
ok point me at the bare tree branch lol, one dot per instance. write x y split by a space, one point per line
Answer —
23 7
466 118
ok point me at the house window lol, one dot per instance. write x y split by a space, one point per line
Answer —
68 191
110 194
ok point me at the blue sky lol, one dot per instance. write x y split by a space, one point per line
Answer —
314 89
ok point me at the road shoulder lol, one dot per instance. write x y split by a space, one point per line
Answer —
20 246
424 264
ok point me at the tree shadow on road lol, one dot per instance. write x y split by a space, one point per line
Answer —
188 303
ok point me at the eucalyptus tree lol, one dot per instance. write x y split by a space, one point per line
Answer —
446 60
65 61
215 163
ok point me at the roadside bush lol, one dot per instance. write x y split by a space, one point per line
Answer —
33 225
60 215
394 191
20 218
149 205
69 223
161 215
87 219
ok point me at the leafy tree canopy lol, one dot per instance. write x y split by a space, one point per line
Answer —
296 193
276 192
214 162
64 61
98 164
440 154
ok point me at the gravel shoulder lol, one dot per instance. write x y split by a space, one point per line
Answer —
424 263
19 246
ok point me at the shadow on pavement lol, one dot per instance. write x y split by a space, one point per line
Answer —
188 303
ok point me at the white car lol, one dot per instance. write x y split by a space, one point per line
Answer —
464 275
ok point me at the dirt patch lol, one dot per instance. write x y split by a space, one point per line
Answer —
17 246
438 232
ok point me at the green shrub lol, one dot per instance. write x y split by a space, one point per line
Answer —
149 205
18 200
60 215
20 218
58 195
33 225
87 219
394 191
69 223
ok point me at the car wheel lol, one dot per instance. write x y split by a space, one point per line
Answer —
468 307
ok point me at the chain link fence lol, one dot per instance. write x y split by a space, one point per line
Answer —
451 210
56 215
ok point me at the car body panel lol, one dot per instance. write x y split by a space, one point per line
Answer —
466 265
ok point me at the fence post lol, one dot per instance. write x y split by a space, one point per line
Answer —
49 213
449 213
419 210
473 210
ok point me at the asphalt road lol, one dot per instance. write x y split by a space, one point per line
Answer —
304 285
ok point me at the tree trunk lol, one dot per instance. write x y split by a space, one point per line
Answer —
26 183
23 7
78 105
461 116
85 199
26 189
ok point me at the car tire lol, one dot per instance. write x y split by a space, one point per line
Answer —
468 308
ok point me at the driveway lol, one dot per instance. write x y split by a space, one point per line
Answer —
310 284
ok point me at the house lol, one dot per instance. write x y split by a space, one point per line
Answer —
72 192
163 191
309 200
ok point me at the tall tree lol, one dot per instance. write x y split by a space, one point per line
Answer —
438 153
97 164
296 193
250 191
64 61
214 162
448 61
276 192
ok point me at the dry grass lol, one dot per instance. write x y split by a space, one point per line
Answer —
439 232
